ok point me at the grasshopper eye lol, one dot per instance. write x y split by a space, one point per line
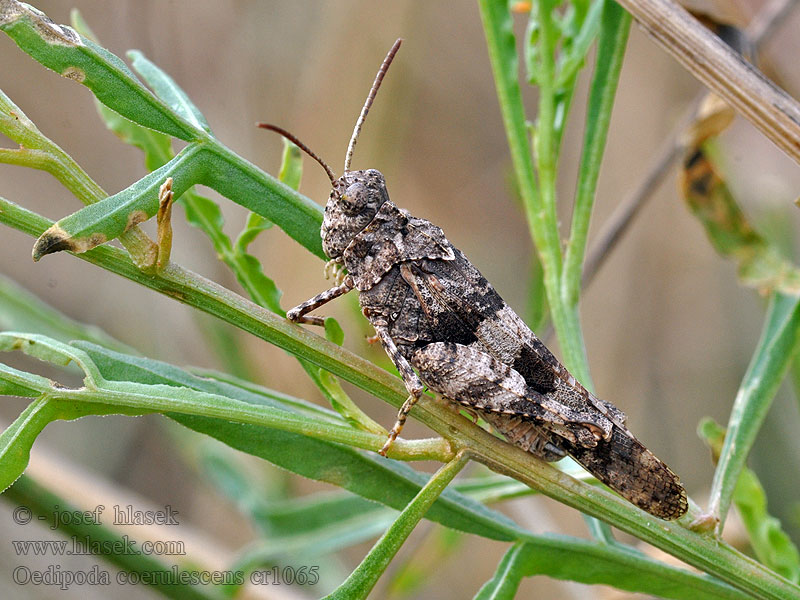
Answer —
355 198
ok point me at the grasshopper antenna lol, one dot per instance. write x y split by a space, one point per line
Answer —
292 138
372 92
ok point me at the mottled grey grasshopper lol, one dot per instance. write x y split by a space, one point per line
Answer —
445 327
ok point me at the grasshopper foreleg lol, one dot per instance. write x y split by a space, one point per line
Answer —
298 313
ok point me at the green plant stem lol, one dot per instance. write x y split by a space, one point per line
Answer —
703 551
545 150
146 398
565 317
546 153
361 581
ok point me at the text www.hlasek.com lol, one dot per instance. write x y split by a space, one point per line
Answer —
76 546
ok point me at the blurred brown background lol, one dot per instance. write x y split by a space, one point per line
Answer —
669 331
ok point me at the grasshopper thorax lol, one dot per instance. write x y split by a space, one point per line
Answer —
355 199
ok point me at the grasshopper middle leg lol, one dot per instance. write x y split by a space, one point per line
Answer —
410 379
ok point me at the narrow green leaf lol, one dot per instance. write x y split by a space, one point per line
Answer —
493 488
14 382
262 289
205 214
255 225
363 579
169 91
332 389
60 48
207 164
52 351
17 440
498 28
537 298
344 405
106 220
333 331
319 537
577 46
248 269
771 544
289 174
227 384
771 359
310 513
245 184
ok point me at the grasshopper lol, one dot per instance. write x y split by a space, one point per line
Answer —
445 327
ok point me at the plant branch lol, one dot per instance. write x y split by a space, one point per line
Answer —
745 88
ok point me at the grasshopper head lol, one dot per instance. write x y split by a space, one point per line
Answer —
355 198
